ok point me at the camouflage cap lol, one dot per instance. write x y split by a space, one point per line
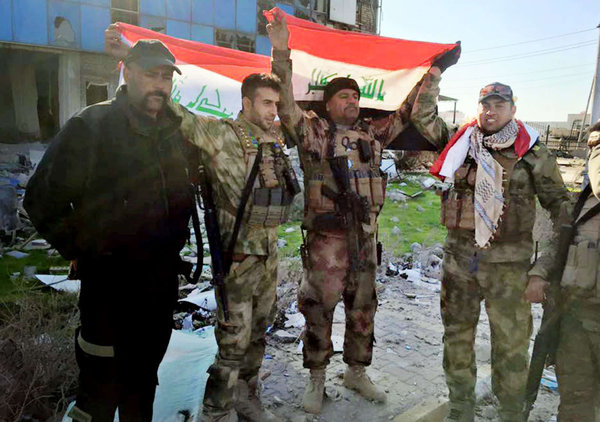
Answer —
496 89
337 84
151 53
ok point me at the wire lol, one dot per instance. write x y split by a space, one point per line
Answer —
518 81
530 54
530 41
534 71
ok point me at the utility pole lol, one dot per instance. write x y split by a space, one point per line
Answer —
596 95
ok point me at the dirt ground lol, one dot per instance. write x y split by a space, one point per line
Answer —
407 359
407 353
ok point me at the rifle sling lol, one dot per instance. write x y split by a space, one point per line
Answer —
580 202
242 207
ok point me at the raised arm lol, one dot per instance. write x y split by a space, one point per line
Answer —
290 113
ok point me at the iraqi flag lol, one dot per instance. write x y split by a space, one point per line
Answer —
386 69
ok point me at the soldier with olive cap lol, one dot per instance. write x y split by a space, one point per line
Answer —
112 194
340 260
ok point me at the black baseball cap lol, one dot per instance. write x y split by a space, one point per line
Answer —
151 53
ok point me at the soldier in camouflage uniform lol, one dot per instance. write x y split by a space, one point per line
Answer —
578 354
228 149
497 168
327 276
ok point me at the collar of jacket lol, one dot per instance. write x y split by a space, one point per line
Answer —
166 124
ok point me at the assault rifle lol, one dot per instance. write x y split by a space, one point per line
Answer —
353 209
217 254
546 340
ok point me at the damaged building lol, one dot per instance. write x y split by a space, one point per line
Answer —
51 51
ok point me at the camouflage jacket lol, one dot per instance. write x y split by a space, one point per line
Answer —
536 174
317 138
222 154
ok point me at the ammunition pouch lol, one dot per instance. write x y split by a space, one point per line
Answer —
328 222
270 207
458 210
581 268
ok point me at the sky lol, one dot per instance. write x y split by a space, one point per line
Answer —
550 77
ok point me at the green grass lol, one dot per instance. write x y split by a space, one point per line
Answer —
415 226
10 265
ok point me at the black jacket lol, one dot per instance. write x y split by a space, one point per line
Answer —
113 183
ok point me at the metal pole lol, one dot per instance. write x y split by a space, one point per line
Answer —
596 97
587 104
547 133
454 115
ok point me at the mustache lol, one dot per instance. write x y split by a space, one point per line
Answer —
161 94
351 107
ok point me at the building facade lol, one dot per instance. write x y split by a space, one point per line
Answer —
52 51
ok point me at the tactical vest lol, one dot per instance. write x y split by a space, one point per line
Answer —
363 153
276 183
458 202
583 261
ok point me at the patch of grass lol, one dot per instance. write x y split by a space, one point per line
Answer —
419 220
415 226
36 258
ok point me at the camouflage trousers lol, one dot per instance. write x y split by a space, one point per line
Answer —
578 363
465 283
327 280
251 292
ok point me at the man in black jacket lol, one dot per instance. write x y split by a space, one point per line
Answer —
112 194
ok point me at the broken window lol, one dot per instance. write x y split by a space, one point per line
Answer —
126 11
95 93
245 43
225 38
64 34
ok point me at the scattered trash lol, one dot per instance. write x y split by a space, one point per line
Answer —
391 270
284 337
281 243
205 300
428 182
59 282
17 254
294 320
290 230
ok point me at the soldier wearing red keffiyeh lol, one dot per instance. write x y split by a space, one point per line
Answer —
498 168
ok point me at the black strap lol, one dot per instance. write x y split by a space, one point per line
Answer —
242 207
579 206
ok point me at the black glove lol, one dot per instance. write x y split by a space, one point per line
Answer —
447 59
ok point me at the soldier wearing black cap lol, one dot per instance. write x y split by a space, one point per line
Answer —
340 258
111 194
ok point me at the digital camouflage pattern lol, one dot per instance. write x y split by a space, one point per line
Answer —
578 354
327 278
251 292
499 275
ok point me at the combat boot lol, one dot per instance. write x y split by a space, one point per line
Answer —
248 404
219 416
315 390
464 413
356 378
